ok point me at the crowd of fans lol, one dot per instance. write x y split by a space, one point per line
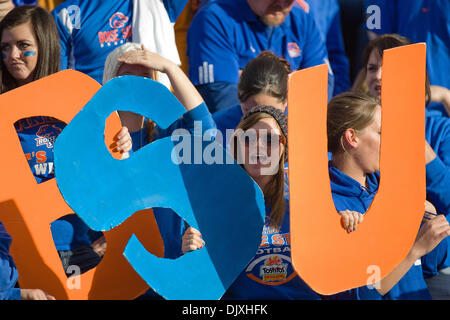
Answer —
228 63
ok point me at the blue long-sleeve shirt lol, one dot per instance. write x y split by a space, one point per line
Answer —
437 134
348 194
226 34
8 270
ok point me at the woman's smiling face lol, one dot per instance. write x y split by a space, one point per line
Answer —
263 148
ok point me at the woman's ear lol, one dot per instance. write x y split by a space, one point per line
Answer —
351 138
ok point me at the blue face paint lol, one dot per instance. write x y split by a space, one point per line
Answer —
29 53
3 55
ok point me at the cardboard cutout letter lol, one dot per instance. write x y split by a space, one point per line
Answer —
221 201
28 208
321 249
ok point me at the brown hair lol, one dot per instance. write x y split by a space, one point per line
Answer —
47 37
267 73
381 43
274 190
348 110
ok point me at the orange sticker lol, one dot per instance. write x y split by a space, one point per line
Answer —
27 209
324 255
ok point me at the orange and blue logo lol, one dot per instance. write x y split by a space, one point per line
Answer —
120 32
294 50
304 5
118 20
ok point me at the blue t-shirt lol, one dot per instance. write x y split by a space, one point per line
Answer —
225 35
348 194
421 21
270 274
37 136
90 30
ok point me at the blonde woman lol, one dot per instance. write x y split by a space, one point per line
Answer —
260 146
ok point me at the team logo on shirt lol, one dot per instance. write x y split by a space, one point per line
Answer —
120 32
303 5
206 73
293 50
46 135
118 20
273 269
